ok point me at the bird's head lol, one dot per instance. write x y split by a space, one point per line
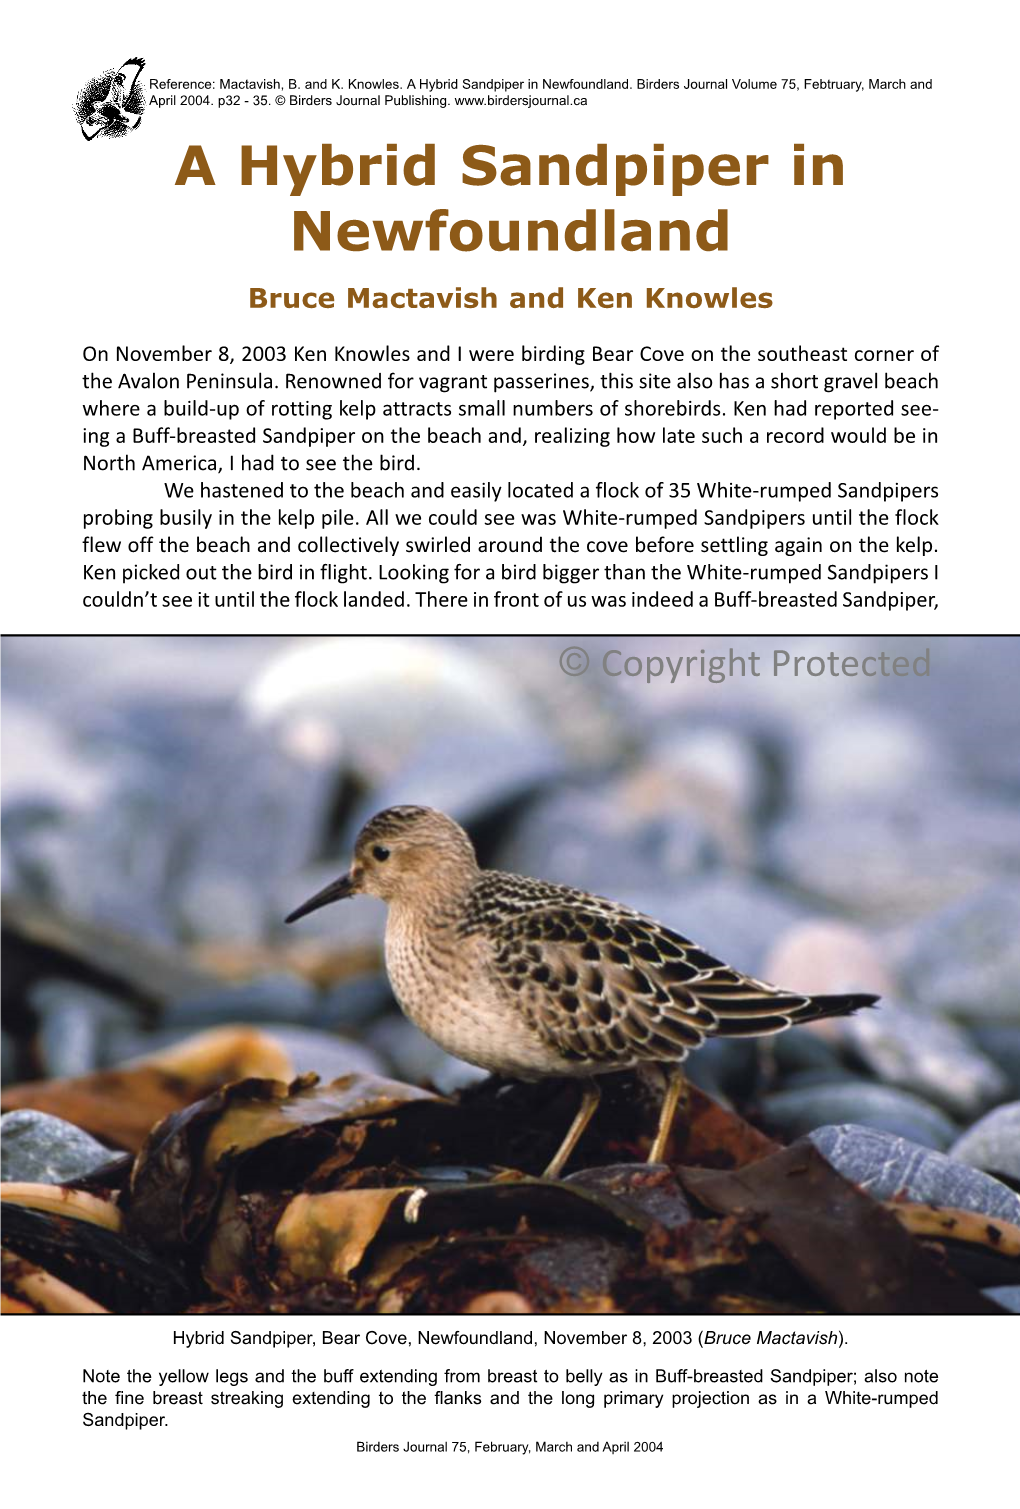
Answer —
401 854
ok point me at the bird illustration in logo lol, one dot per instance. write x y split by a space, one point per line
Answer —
110 115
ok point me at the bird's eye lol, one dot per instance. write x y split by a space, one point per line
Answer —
380 852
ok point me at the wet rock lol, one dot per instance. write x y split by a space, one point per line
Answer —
1006 1295
40 1149
9 1057
794 1113
583 714
993 1143
589 837
888 1166
965 959
800 1050
728 1066
117 872
38 840
72 1021
78 680
712 777
470 775
879 753
715 766
828 958
804 701
376 700
270 998
352 1003
123 1044
215 905
1000 1041
42 943
970 702
899 860
701 1075
68 1040
42 766
255 810
453 1173
802 1079
916 1050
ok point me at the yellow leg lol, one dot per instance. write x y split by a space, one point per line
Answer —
586 1110
676 1096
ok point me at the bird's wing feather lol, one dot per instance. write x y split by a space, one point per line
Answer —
131 69
599 981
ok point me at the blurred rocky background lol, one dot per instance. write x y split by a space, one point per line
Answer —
166 801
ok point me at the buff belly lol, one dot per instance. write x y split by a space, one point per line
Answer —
492 1034
498 1041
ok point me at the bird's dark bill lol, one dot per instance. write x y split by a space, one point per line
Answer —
335 891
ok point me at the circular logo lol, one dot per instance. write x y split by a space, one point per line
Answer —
574 661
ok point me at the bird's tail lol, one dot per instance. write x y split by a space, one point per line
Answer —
817 1007
749 1017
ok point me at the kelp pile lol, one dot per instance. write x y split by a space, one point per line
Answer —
239 1191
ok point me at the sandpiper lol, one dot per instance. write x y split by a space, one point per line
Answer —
530 979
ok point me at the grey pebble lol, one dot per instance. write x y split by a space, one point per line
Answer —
470 776
965 958
901 859
796 1112
832 1074
993 1143
269 998
36 1148
253 809
73 1019
731 1064
800 1049
887 1166
926 1054
1006 1295
352 1003
8 1058
588 837
121 1045
210 904
880 751
1001 1042
68 1041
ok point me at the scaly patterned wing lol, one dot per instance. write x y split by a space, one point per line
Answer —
599 981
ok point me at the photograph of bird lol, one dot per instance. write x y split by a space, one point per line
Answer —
112 110
529 979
